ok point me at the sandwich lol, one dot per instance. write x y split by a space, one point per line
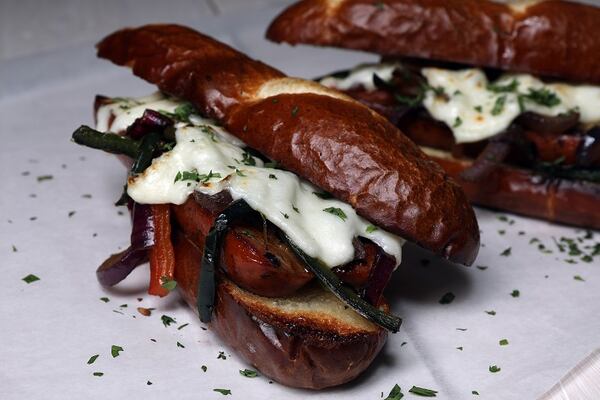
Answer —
505 97
277 207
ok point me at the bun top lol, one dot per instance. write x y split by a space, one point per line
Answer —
320 134
551 38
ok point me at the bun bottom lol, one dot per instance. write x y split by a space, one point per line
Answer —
572 202
309 340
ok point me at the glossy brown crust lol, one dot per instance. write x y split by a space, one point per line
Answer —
189 65
294 352
337 144
550 38
521 191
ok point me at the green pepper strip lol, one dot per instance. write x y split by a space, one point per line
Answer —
329 280
211 256
108 142
145 154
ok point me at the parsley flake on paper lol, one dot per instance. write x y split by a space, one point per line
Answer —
224 392
395 393
30 279
447 298
93 358
115 351
494 368
424 392
503 342
248 373
167 321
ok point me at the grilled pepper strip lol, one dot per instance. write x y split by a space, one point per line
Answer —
162 254
109 142
211 256
329 280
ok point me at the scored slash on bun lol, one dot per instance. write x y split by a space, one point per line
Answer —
334 142
549 38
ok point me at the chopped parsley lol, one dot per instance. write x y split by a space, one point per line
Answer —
371 228
98 373
248 373
475 393
115 351
167 321
295 209
221 356
323 195
204 368
494 368
395 393
457 122
182 112
482 267
459 348
193 175
272 176
180 345
42 178
543 97
224 392
105 299
515 293
499 105
419 391
479 109
285 215
93 358
338 212
503 342
247 159
447 298
506 252
510 87
210 131
295 110
167 283
182 326
578 278
30 279
491 312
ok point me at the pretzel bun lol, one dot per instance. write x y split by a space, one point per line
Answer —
550 38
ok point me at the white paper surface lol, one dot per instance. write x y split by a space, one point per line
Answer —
51 327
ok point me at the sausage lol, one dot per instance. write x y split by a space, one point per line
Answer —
256 259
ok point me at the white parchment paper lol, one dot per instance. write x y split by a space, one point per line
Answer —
61 229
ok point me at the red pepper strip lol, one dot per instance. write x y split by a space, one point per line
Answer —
162 255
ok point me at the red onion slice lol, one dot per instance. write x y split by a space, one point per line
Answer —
118 266
380 276
150 121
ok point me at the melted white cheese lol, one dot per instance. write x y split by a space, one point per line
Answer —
281 196
471 110
362 75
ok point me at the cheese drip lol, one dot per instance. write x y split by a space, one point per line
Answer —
476 109
323 228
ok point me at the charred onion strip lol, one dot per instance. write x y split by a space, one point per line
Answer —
491 157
